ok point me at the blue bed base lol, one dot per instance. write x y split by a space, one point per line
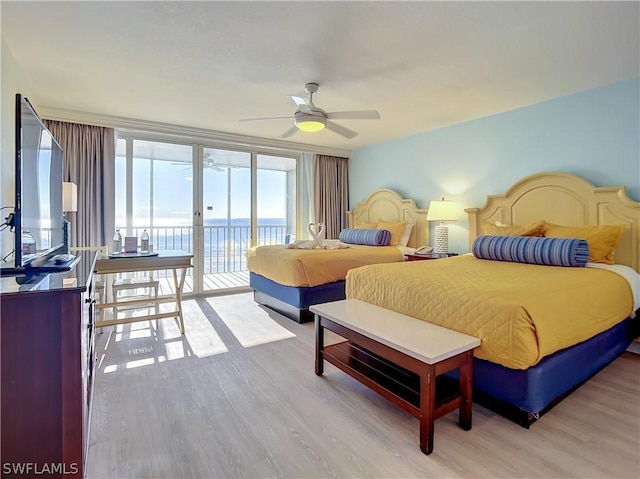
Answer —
293 301
520 395
525 395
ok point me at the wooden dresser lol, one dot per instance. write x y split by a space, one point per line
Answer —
46 371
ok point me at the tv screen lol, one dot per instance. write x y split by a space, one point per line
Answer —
38 216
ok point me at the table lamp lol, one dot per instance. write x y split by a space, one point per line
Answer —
441 211
69 205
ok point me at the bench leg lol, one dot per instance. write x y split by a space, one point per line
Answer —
466 388
427 407
319 345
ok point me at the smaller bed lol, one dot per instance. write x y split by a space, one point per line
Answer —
291 280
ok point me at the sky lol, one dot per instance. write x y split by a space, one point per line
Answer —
173 192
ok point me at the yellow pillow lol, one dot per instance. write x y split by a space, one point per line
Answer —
535 228
396 230
366 226
602 239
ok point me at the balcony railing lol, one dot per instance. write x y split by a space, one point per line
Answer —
225 247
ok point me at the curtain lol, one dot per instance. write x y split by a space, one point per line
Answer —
89 162
309 163
331 193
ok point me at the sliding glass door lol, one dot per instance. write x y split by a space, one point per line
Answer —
213 202
231 222
276 206
154 192
226 218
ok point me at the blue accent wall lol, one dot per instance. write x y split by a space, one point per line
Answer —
593 134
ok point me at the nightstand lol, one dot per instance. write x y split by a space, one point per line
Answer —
423 257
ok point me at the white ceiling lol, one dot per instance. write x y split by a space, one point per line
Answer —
422 65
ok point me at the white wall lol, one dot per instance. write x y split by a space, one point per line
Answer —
12 82
593 134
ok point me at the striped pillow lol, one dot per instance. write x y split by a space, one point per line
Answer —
368 237
532 250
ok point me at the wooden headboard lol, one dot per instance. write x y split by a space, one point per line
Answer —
564 199
387 205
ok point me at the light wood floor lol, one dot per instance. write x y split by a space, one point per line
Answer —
203 406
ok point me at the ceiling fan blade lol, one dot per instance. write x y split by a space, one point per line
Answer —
298 100
341 130
268 118
354 115
289 132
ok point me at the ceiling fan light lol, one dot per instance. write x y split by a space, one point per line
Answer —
310 126
310 122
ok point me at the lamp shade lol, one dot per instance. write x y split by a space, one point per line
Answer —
69 197
442 210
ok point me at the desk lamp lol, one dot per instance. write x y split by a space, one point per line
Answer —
69 205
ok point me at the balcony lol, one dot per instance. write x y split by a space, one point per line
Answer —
225 249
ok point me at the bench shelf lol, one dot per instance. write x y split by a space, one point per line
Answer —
396 380
408 374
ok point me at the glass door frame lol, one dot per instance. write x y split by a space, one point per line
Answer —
198 203
197 150
199 257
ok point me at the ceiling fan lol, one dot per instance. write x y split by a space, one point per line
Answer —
207 162
310 118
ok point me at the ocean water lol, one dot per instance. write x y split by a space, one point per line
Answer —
225 243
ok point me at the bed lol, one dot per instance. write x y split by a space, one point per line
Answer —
293 281
537 347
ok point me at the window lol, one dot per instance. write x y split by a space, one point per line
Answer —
198 199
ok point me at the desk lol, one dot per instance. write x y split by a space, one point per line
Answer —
177 261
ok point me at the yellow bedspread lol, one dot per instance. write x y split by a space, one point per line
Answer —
312 267
521 312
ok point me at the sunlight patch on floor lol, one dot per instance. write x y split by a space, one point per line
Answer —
202 338
145 343
251 327
139 363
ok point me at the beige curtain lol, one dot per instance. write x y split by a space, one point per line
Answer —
89 162
331 193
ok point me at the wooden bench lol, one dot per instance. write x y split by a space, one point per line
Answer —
400 357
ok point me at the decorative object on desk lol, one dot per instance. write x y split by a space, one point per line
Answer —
28 243
144 242
117 243
69 205
130 244
442 211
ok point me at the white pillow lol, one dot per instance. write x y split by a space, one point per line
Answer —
404 239
406 249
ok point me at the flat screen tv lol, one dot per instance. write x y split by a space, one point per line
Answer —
38 215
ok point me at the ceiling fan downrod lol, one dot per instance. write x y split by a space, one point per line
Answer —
311 88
